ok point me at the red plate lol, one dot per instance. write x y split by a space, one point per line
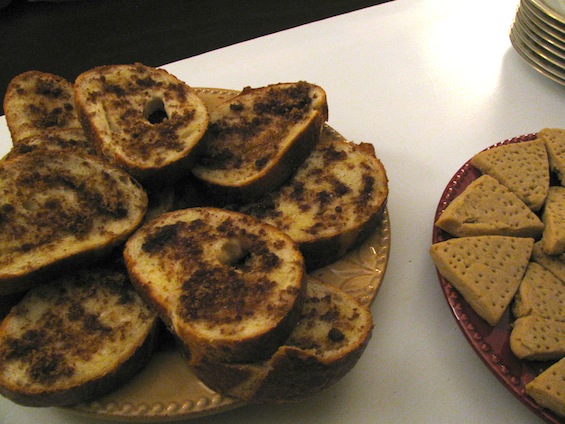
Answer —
490 343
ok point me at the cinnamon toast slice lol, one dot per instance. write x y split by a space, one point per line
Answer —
257 139
331 204
75 338
142 119
486 207
227 285
37 103
60 209
72 139
329 339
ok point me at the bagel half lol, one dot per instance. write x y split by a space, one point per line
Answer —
227 285
143 119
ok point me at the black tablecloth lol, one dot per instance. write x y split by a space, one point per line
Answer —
68 37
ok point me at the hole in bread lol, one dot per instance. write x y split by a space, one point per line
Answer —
233 253
155 111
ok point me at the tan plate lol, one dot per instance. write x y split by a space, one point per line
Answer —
167 390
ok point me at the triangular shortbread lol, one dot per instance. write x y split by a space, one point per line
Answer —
486 270
540 293
553 238
554 139
553 263
548 388
486 207
538 339
522 167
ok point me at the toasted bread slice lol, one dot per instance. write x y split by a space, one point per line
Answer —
332 203
548 388
554 139
75 338
143 119
60 208
486 270
536 338
540 293
553 263
38 102
487 207
553 217
227 285
522 167
333 332
72 139
257 139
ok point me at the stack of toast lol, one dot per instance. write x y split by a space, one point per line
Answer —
505 249
131 201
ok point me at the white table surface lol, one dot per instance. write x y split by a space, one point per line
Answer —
429 83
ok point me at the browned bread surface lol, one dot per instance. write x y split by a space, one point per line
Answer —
39 102
72 139
333 201
257 139
227 285
333 332
75 338
61 208
141 118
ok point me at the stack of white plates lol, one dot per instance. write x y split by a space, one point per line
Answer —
538 35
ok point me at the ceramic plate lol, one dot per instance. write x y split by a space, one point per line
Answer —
490 343
167 390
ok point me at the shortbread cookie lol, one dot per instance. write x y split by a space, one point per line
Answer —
554 139
522 167
553 263
540 293
486 207
537 339
548 388
486 270
553 217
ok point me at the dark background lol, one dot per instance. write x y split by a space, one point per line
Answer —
69 37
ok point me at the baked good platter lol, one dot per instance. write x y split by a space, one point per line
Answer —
167 390
492 344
